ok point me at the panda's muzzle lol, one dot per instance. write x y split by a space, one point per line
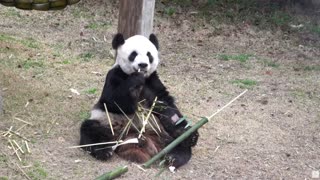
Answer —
142 65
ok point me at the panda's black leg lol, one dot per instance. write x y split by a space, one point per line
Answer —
179 156
91 132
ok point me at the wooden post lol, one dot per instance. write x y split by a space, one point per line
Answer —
136 17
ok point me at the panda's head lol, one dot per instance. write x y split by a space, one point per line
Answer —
136 54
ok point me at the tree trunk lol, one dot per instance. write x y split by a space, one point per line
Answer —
136 17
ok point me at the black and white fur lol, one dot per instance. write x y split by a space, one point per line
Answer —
132 79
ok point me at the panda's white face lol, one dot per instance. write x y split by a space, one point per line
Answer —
137 54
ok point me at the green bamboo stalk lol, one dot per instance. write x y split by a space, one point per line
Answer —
177 141
113 174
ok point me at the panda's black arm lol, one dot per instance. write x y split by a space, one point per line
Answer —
119 90
167 111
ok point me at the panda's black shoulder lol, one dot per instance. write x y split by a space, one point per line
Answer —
115 75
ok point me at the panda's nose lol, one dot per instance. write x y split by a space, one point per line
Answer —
142 65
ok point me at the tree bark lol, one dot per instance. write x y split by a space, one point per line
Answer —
136 17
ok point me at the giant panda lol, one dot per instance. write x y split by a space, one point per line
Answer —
132 80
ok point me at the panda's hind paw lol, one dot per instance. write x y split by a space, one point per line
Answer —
102 154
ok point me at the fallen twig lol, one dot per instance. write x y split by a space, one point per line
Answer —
15 150
7 132
19 147
24 125
24 173
16 118
52 125
27 146
17 134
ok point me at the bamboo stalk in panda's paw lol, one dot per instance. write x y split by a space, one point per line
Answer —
186 134
177 141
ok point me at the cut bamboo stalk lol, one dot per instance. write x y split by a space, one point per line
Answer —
108 117
16 118
145 120
17 134
113 174
8 131
177 141
27 146
19 147
186 134
95 144
228 104
15 150
24 173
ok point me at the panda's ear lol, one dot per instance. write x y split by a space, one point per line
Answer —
153 38
117 41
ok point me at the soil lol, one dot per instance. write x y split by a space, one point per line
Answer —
272 132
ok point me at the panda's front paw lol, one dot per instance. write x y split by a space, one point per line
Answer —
191 140
137 79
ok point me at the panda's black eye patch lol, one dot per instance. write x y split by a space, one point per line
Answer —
150 57
132 56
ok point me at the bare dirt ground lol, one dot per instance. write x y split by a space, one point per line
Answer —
273 132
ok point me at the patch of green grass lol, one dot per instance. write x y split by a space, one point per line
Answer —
11 12
84 115
81 12
33 141
4 37
182 2
4 178
32 64
224 57
280 18
91 91
312 68
24 163
316 29
264 14
30 42
56 54
170 11
3 159
242 57
298 93
86 56
244 83
66 61
239 57
37 172
270 64
95 25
